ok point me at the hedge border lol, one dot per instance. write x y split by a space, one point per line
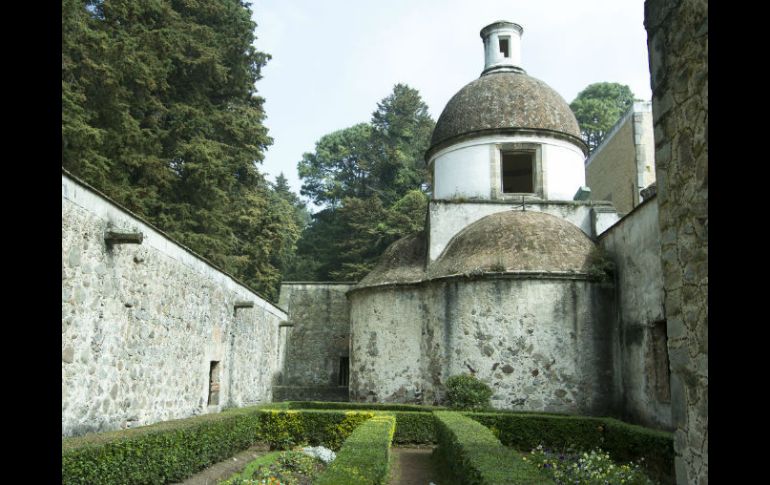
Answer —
623 441
174 450
474 456
364 458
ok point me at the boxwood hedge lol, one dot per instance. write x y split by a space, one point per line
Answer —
474 456
365 456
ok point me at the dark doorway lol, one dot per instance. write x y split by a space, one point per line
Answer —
344 374
214 377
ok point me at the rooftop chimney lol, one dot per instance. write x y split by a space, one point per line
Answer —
502 47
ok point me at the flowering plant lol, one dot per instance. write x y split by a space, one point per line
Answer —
587 468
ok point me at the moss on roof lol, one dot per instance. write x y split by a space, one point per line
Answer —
505 100
402 262
517 241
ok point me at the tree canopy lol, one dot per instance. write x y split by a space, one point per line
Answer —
160 111
598 107
370 180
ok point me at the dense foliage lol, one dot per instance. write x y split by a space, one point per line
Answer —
364 459
586 468
598 107
370 180
467 392
472 455
160 112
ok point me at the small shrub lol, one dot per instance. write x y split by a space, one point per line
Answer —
467 392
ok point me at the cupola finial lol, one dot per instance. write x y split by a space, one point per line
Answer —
502 47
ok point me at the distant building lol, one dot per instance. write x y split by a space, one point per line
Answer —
624 163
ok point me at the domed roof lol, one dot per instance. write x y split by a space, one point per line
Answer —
402 262
504 101
517 241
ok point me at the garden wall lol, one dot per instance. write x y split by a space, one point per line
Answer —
318 340
150 330
643 368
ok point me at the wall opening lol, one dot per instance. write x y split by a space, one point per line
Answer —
215 369
661 372
505 47
344 374
518 172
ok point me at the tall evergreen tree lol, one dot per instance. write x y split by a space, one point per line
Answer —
598 107
370 178
160 111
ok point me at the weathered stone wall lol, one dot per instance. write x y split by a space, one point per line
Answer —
141 324
317 340
541 344
634 245
677 33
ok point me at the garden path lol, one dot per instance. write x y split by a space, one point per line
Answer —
413 466
222 470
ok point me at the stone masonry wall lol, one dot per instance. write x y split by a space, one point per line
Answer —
542 345
317 340
634 245
141 324
677 33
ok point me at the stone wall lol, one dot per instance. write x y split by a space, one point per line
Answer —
142 324
634 245
317 341
677 33
541 344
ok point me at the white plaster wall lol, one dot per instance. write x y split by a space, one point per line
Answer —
141 323
463 173
446 219
466 170
563 171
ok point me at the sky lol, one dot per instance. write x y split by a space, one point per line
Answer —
334 60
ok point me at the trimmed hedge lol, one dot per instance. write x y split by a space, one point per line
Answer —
624 442
414 427
161 453
365 456
360 405
283 429
474 456
174 450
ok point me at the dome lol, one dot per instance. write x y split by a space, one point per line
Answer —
503 102
402 262
517 241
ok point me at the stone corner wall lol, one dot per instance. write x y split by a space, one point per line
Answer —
641 353
677 32
150 331
317 341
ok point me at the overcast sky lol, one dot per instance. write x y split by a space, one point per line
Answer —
333 60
